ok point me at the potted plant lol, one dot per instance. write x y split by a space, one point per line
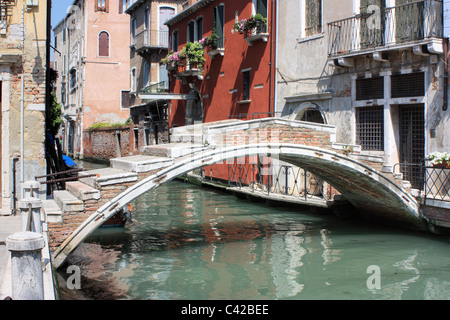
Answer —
195 55
255 24
439 159
212 42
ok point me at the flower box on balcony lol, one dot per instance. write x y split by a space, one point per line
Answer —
213 45
253 29
257 33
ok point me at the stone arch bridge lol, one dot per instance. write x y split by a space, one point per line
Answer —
75 213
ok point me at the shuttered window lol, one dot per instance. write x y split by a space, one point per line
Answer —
261 7
370 88
102 5
313 17
218 23
103 44
408 85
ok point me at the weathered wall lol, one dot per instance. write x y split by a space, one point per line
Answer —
22 54
107 143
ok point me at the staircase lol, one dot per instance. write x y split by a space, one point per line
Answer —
122 170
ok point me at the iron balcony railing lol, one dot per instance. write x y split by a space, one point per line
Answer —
160 87
276 179
436 183
409 23
151 39
433 182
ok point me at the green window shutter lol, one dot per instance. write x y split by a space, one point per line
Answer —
261 7
219 20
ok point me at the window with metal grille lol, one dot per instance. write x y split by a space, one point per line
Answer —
246 88
370 128
370 88
408 85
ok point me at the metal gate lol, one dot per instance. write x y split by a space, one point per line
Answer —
412 142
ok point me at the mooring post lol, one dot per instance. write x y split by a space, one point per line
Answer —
30 211
26 265
30 189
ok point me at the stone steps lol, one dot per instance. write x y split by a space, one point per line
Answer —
172 150
108 176
142 163
67 202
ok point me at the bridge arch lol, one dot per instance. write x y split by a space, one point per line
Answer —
360 184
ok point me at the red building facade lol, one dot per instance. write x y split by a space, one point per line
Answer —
236 79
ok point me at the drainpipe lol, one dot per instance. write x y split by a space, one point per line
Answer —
277 15
446 74
22 84
14 193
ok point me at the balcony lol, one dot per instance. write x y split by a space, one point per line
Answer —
417 26
257 33
186 69
151 40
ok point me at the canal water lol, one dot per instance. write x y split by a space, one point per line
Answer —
188 242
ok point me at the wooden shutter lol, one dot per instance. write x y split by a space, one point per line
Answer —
219 24
261 7
103 44
313 17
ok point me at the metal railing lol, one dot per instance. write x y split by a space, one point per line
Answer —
436 184
397 25
151 39
433 182
160 87
276 179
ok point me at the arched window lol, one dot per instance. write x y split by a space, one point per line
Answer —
103 44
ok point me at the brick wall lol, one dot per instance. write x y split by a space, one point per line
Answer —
103 144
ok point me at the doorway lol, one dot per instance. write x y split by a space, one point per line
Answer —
412 142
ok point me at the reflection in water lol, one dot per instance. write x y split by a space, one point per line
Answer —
186 242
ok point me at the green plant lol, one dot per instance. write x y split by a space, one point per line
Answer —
248 24
347 149
195 53
108 125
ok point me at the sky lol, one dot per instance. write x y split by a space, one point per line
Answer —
59 10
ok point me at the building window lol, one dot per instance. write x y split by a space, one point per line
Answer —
218 23
147 19
190 32
313 17
199 29
133 30
146 74
260 7
73 78
370 88
103 44
63 93
370 128
246 86
102 5
175 40
133 80
408 85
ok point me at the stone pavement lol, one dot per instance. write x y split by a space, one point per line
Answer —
8 225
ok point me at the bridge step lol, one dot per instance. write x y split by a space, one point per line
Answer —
67 201
172 150
139 164
108 176
186 138
82 191
52 211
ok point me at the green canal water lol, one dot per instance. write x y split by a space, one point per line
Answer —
188 242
